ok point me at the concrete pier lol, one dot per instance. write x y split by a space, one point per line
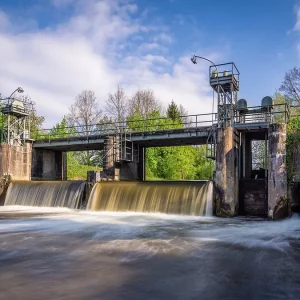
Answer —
278 204
226 178
15 160
123 168
48 165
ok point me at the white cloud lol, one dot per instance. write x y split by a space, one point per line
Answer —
146 47
54 65
297 26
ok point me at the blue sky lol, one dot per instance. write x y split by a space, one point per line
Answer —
56 48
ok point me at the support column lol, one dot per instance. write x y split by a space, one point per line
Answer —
141 164
64 166
226 178
46 165
278 206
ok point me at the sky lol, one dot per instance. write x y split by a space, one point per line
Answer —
54 49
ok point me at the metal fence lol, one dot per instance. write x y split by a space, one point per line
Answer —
278 113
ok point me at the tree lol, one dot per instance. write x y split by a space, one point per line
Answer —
117 105
85 112
143 102
291 85
173 112
62 129
85 115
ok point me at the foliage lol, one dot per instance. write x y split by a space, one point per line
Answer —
77 171
173 112
177 162
291 86
61 129
293 146
36 124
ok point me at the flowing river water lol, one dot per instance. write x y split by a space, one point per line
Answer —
60 253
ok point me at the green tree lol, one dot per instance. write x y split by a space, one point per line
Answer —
61 130
173 112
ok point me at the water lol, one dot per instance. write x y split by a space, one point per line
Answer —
54 253
45 193
181 197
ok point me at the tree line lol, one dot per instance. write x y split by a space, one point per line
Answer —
87 114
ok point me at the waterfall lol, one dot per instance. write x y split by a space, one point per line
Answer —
171 197
45 193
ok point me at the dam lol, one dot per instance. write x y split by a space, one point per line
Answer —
119 236
242 184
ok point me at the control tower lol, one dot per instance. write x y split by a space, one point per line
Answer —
224 79
15 117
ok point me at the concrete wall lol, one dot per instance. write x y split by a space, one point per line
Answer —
278 205
253 198
16 161
15 164
226 176
294 169
48 165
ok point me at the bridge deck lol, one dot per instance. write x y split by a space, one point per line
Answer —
171 137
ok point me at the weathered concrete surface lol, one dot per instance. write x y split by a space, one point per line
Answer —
294 184
15 164
278 204
47 165
15 160
226 177
253 198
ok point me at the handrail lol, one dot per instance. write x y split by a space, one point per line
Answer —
254 114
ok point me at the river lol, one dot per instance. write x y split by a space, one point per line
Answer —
55 253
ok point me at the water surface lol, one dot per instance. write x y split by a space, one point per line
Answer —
54 253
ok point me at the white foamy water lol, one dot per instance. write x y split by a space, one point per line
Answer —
147 256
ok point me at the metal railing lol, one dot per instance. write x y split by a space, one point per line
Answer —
129 126
277 113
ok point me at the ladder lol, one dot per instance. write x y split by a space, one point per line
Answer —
211 144
126 146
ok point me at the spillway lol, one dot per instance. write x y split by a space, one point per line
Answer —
171 197
45 193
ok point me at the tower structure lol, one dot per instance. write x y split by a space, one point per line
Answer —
224 79
15 119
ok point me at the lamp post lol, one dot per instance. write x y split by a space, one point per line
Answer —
194 61
18 89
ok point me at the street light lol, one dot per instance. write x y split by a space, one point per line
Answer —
19 90
194 61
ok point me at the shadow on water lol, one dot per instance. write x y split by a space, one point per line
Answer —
144 256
